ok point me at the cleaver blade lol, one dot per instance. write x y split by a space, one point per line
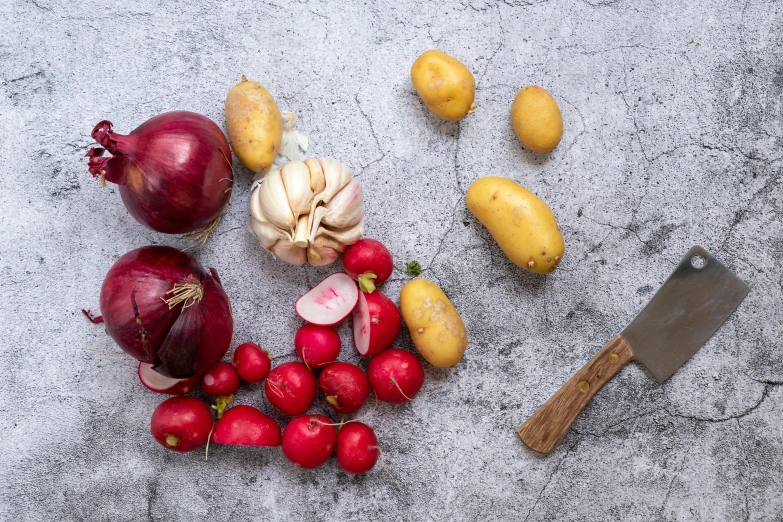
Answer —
690 306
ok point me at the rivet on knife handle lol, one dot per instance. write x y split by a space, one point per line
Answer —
544 430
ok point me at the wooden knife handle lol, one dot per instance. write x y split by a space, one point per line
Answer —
544 430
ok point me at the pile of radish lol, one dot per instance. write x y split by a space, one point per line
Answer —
308 440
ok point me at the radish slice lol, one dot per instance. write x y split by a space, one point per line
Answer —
158 383
330 301
361 325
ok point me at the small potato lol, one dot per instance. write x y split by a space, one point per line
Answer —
536 119
445 85
254 125
436 328
523 226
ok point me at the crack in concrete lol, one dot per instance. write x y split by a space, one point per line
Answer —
223 233
372 131
664 50
747 470
732 150
586 254
764 394
630 110
671 483
738 217
618 423
39 6
520 3
601 3
456 159
610 49
740 214
549 480
497 50
580 133
152 495
632 229
26 77
431 264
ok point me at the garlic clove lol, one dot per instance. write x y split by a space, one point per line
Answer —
328 242
300 235
337 176
296 180
347 206
256 212
314 222
267 233
273 202
324 251
346 236
317 180
289 253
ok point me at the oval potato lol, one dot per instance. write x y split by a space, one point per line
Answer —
536 119
523 226
254 125
445 85
435 326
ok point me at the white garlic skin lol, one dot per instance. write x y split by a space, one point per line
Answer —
308 211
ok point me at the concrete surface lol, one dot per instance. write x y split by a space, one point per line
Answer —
673 137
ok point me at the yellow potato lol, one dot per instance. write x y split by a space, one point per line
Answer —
254 125
523 225
445 85
536 119
436 328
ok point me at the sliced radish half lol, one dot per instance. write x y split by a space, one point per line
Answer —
158 383
361 325
330 301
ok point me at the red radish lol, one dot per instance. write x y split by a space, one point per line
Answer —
309 441
396 376
181 423
162 384
291 388
376 323
173 171
251 362
162 307
357 448
317 345
220 380
346 387
330 301
246 426
369 262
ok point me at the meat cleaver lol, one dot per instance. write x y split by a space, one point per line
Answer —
692 304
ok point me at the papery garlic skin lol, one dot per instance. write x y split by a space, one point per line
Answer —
308 211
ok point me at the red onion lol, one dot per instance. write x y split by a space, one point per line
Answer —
174 170
163 308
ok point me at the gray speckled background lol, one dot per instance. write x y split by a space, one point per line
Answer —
673 136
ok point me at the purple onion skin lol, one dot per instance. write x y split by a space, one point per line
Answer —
179 342
174 170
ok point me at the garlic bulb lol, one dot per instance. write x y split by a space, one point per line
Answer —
308 211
